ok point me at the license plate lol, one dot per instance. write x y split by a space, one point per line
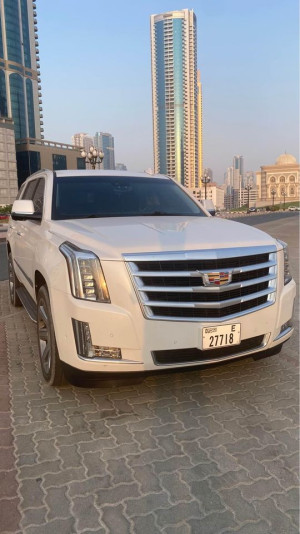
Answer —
221 336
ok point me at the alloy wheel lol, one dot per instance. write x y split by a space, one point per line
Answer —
44 336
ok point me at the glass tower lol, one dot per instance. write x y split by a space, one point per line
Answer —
105 142
175 96
20 83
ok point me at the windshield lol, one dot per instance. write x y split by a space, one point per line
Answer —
81 197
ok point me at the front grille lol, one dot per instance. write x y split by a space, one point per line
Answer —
193 355
177 286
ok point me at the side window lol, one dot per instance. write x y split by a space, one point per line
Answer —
38 197
28 193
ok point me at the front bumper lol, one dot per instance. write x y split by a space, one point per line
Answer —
138 337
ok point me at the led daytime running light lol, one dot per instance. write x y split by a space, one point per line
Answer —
85 272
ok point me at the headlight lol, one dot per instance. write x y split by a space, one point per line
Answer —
85 272
287 274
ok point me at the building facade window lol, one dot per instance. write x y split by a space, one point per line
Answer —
292 191
3 97
25 30
81 163
28 162
282 191
13 37
18 105
282 179
1 40
30 108
59 162
272 179
292 178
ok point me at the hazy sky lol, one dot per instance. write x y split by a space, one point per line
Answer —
96 76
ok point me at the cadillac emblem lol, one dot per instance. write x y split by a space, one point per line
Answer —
217 278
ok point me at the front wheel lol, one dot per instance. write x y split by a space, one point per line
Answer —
52 367
13 282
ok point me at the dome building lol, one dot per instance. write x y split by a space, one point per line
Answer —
280 180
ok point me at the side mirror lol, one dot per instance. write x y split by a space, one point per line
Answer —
24 209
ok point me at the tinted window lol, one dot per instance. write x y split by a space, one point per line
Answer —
38 197
59 162
114 196
29 190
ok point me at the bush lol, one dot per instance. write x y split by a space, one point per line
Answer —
5 209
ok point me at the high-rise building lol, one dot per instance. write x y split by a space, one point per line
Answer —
176 96
83 140
238 172
199 107
104 141
208 172
20 83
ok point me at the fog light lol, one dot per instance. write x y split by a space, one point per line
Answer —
86 349
286 325
107 352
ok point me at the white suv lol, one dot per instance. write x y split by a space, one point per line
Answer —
125 272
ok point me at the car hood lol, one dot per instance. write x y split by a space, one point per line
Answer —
110 238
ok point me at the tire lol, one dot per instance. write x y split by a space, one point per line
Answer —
13 282
52 367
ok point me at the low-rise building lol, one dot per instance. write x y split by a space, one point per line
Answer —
279 182
36 154
214 192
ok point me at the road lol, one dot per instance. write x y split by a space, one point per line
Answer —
213 451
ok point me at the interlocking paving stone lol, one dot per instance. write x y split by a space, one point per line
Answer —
114 519
216 522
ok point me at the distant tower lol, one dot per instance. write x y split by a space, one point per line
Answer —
238 172
20 83
175 95
105 142
199 106
82 140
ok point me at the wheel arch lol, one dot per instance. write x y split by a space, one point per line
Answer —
39 281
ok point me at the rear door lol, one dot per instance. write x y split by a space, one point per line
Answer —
30 234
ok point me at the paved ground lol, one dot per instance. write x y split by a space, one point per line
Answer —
205 452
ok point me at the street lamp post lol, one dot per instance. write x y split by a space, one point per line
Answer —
205 180
93 156
284 195
273 193
248 188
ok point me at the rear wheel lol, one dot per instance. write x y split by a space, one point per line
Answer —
13 283
52 367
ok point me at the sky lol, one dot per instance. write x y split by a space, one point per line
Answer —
96 76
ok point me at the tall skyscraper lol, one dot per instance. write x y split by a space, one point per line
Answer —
176 96
20 89
199 106
238 172
105 142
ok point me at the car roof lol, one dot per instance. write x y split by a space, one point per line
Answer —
90 172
